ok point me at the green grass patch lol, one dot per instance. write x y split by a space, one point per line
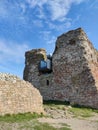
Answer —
46 126
19 117
76 110
65 127
81 112
95 110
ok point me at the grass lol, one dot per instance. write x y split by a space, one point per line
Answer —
46 126
43 126
65 127
28 121
56 104
19 117
76 110
81 112
29 125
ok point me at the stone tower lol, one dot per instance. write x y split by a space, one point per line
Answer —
31 72
74 75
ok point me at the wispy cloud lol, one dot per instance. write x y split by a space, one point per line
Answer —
12 57
47 10
11 51
34 3
58 9
94 4
49 39
12 11
60 26
51 11
37 23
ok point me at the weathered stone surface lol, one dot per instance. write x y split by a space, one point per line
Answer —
18 96
75 71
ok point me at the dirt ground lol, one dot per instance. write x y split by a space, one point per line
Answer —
74 123
58 117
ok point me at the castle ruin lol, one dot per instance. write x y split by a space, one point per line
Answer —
71 74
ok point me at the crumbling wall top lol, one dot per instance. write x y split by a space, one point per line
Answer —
35 55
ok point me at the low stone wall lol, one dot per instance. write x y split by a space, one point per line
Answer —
18 96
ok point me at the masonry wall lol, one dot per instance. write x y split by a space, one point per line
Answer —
74 62
18 96
74 76
32 74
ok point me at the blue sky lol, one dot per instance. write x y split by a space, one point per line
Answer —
30 24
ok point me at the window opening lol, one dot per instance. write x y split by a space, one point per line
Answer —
47 82
91 56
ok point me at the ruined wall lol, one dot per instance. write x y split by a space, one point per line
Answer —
75 71
32 74
18 96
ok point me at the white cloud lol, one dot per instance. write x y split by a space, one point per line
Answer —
94 4
76 19
60 26
37 23
23 7
12 10
12 52
3 9
41 13
54 10
34 3
68 24
48 11
12 57
49 39
57 8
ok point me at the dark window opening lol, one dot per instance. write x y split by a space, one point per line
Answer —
91 56
47 82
